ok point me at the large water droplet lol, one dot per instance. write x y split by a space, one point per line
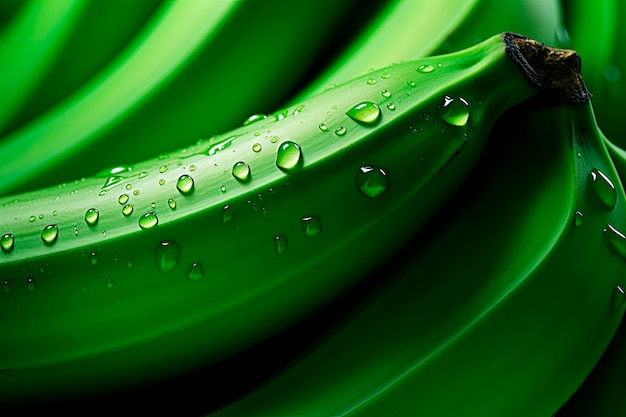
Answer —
280 243
425 68
311 226
185 184
616 239
366 112
288 156
618 297
167 255
49 234
148 220
340 131
241 171
603 188
195 272
371 180
91 216
454 111
7 242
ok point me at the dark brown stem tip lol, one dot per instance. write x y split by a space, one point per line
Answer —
556 72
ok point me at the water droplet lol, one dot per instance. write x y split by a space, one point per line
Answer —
93 257
311 226
298 109
163 169
426 68
371 180
340 131
30 284
171 203
148 220
135 192
227 215
391 106
411 83
143 174
386 93
254 118
123 199
385 76
161 181
578 218
280 243
616 239
6 286
49 234
455 112
289 155
223 188
371 81
185 184
618 297
195 272
109 283
32 219
129 263
192 168
221 145
91 216
257 147
127 210
603 188
323 127
7 242
366 112
167 255
241 171
274 139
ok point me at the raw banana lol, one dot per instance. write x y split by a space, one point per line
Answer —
501 308
146 271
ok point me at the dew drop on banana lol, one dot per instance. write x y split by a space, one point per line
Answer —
7 242
91 216
618 297
288 156
127 210
241 171
148 220
280 244
311 226
195 272
603 188
366 113
616 239
454 111
49 234
185 184
371 180
167 256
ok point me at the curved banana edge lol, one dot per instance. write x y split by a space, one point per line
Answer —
207 278
502 308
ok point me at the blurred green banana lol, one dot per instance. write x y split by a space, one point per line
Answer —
148 270
501 308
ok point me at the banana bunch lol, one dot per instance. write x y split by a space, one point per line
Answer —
180 261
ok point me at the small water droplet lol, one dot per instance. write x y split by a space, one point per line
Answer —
578 218
185 184
426 68
161 181
371 81
7 242
135 192
280 244
385 76
163 169
49 234
311 226
256 147
192 168
143 174
109 283
227 215
123 199
254 118
391 106
323 127
93 257
195 272
618 297
298 109
127 210
171 203
6 286
386 93
167 255
241 171
289 155
91 216
148 220
616 239
274 139
30 284
411 83
366 112
32 219
223 188
371 180
603 188
454 112
340 131
129 263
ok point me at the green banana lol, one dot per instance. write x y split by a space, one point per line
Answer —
501 308
146 271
